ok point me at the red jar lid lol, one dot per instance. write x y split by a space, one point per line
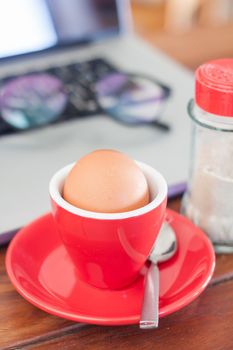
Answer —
214 87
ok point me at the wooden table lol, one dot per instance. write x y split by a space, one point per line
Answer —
206 324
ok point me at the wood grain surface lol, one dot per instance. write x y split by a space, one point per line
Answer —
205 324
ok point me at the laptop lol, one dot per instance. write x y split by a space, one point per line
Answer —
48 36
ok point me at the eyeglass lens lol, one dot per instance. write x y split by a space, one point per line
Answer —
32 100
131 99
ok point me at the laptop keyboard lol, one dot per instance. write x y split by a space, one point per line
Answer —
79 83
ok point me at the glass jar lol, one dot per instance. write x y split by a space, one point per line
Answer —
208 201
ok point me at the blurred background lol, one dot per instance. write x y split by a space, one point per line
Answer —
190 31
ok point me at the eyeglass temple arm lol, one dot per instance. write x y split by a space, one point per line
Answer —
160 125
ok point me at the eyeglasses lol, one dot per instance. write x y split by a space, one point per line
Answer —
39 99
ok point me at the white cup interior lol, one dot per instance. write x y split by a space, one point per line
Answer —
156 183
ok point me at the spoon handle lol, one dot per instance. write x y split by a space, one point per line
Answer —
150 306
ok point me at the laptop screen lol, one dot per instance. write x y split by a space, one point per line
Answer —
28 26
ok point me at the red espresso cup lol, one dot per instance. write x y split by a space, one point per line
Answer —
109 249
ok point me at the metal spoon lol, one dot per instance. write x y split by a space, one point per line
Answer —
164 248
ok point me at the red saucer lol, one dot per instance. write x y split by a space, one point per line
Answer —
42 272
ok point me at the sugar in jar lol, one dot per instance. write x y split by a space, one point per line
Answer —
208 201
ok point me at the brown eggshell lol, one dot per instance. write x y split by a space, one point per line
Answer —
106 181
